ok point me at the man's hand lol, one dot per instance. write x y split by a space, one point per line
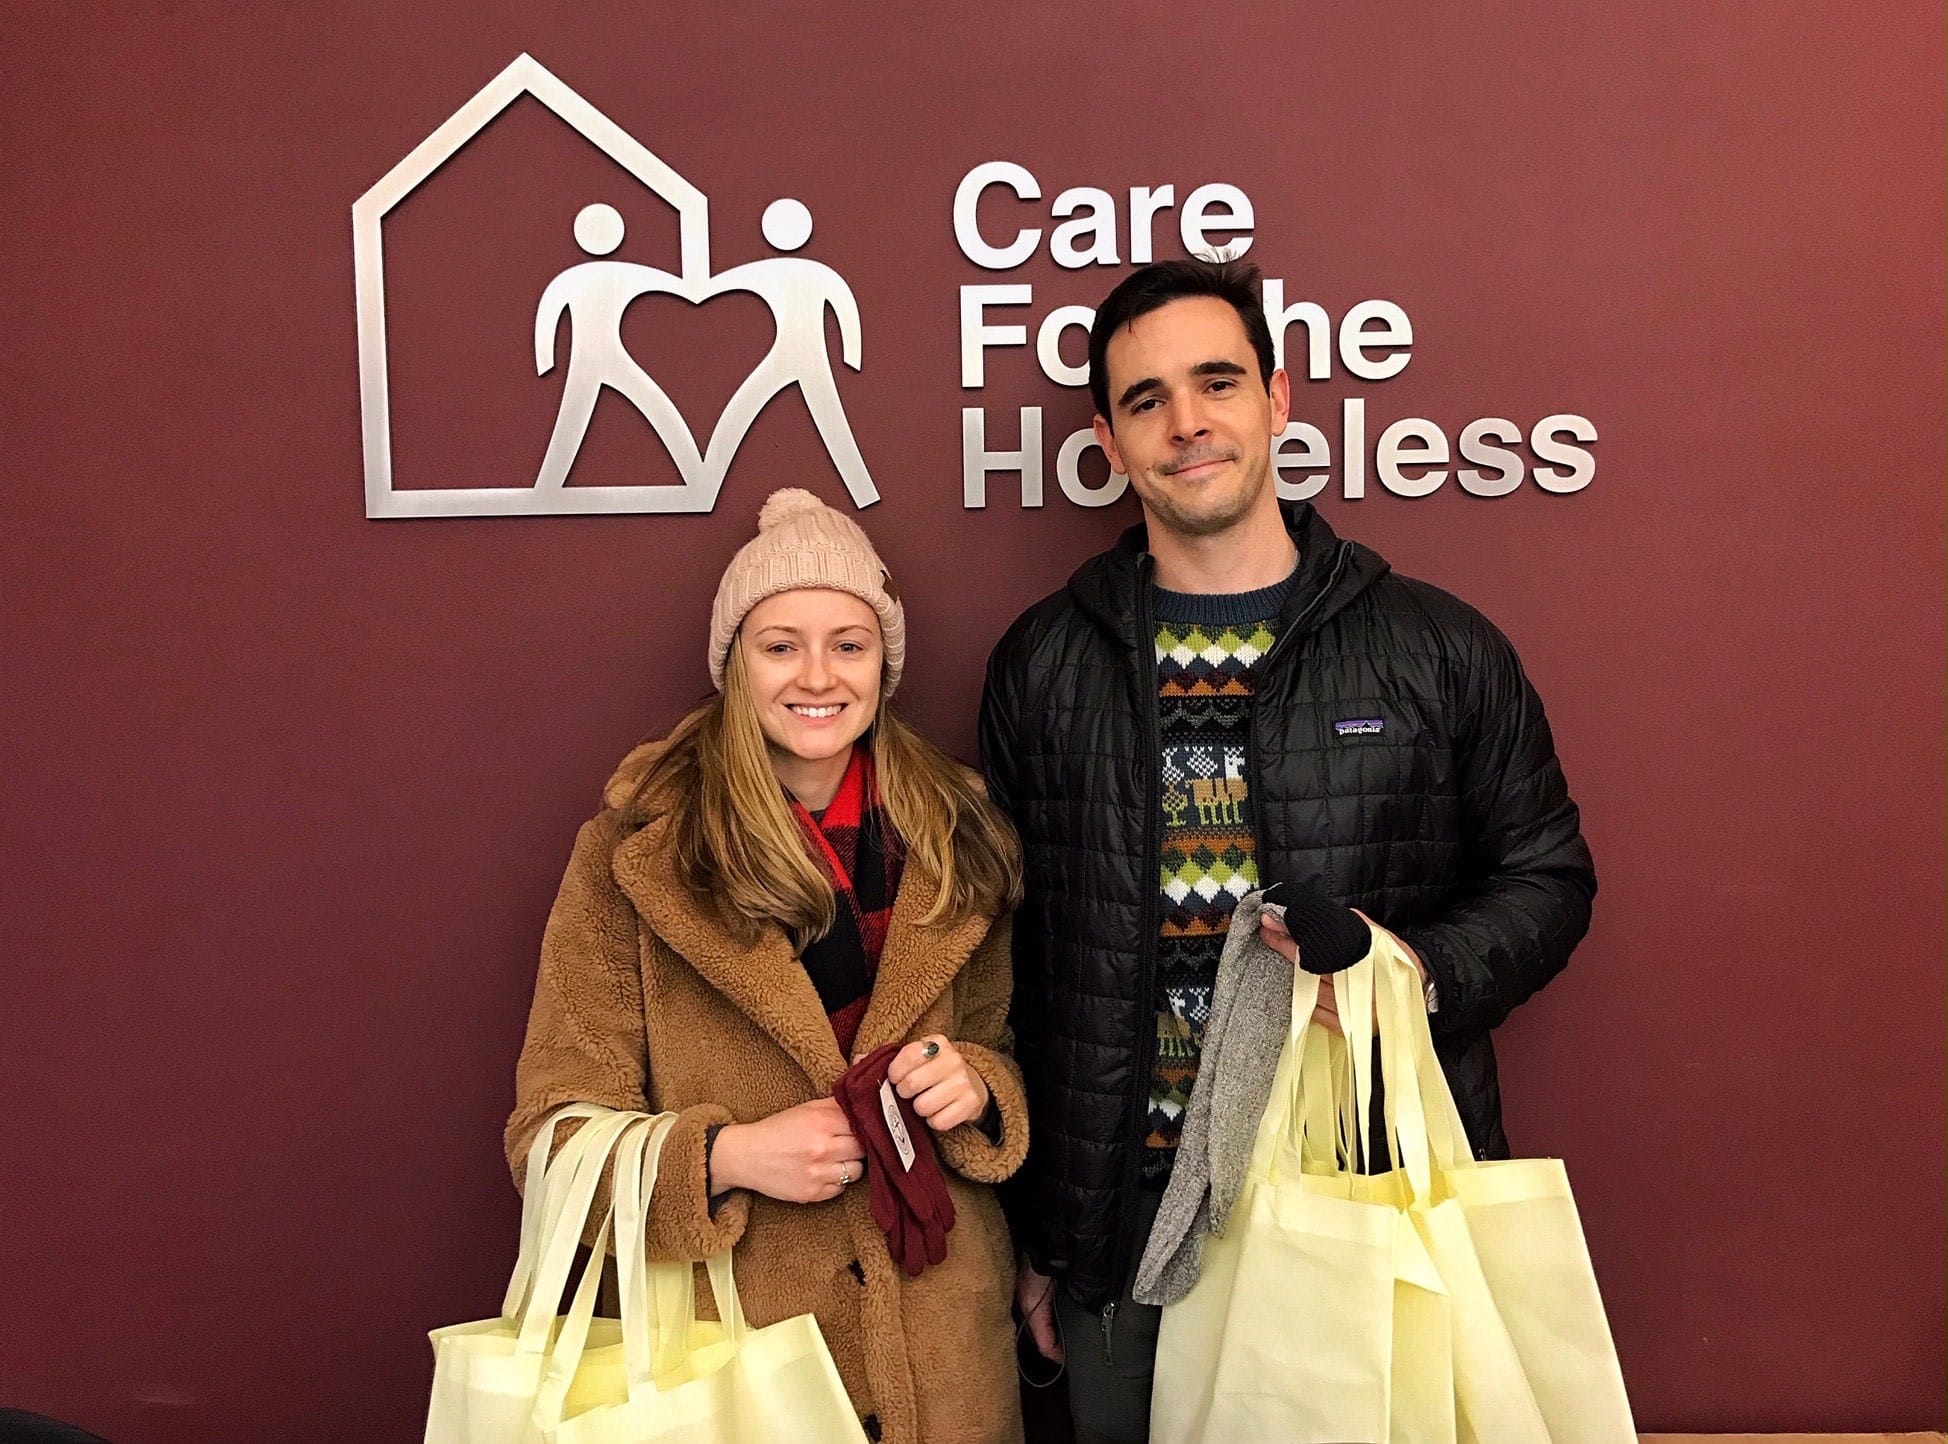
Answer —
945 1088
1272 933
1035 1300
1326 1012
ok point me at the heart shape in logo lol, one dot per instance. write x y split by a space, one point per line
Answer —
798 292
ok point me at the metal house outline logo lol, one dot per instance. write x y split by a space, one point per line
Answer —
594 293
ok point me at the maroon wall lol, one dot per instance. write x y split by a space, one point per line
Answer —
290 790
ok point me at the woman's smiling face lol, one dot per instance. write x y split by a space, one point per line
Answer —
814 660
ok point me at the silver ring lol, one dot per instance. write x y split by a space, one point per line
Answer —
845 1174
930 1050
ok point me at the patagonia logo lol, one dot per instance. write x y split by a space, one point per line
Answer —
1359 726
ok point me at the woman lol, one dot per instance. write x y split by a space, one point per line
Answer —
791 880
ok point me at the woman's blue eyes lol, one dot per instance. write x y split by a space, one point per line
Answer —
778 649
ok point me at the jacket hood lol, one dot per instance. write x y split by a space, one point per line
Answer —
1332 572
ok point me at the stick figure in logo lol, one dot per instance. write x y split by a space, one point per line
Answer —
799 292
595 294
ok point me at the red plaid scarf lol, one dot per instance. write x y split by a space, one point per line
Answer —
862 857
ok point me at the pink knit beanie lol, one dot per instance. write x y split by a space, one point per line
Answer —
802 542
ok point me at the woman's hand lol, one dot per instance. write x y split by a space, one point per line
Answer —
944 1087
805 1154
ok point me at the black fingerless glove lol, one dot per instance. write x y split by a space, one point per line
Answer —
1331 938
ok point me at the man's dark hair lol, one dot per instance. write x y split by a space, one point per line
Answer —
1147 289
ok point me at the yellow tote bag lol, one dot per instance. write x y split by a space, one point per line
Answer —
1492 1401
1507 1237
588 1365
686 1380
733 1384
1318 1317
487 1376
1447 1300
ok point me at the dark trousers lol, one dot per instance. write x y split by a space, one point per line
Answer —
1111 1356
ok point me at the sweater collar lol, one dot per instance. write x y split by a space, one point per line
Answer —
1330 573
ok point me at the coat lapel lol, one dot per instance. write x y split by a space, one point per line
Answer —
766 982
916 965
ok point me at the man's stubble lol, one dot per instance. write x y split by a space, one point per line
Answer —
1184 523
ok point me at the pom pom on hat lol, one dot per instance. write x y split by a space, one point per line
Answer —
781 506
802 542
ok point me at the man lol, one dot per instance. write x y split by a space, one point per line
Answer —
1233 696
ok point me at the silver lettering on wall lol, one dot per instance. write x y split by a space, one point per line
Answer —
1375 340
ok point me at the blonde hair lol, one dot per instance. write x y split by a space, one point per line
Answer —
737 849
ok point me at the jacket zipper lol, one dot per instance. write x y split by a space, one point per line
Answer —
1257 792
1146 641
1109 1321
1340 559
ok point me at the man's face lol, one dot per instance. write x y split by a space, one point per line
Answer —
1191 425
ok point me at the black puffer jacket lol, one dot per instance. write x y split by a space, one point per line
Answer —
1450 825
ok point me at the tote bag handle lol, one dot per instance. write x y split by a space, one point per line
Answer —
1323 1116
635 1183
565 1217
635 1157
534 1199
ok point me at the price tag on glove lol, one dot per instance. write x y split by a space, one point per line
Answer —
889 1105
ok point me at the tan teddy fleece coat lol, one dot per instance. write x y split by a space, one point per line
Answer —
643 1002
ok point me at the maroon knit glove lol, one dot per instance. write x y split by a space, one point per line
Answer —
890 1212
923 1186
905 1240
906 1232
920 1213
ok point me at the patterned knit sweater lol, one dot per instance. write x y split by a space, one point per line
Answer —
1208 648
